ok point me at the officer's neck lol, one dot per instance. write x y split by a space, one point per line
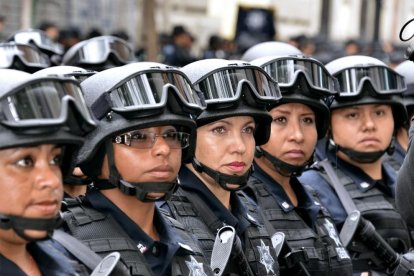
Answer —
142 213
373 169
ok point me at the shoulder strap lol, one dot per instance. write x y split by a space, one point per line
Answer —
340 190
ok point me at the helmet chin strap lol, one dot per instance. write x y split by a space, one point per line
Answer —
221 178
77 180
362 157
21 224
138 189
285 169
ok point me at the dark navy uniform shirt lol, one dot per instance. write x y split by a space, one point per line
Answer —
49 260
364 182
159 254
307 208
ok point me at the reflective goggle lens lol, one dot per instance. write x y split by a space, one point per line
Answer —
42 102
146 90
40 39
97 51
223 85
383 79
285 71
28 55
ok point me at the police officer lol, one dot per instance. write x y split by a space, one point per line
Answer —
363 118
42 123
144 130
405 188
405 69
299 119
234 121
74 184
99 53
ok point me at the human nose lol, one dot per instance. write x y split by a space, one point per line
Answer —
296 132
368 122
160 146
48 176
238 143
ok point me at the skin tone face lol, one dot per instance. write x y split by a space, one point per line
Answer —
293 135
293 139
162 163
363 128
157 164
226 146
31 185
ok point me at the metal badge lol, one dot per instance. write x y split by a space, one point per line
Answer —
196 268
265 258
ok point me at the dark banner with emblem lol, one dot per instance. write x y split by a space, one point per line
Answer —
254 25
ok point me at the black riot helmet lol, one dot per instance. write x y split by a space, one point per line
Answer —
233 88
99 53
406 69
367 80
75 72
23 57
301 80
41 110
137 95
41 41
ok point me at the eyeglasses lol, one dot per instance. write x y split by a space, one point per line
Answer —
146 140
39 39
224 85
285 71
30 56
45 102
149 90
383 79
96 50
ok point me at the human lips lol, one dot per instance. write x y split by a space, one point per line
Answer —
294 154
236 166
369 140
47 207
163 171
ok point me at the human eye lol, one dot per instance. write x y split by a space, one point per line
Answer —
380 112
249 129
171 135
25 162
280 120
56 160
139 137
351 115
308 120
219 130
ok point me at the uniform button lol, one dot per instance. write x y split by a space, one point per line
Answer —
155 251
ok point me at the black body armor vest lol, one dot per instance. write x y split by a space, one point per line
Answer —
379 209
102 234
204 226
323 251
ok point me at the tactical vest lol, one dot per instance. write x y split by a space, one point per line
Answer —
320 250
258 247
389 159
380 210
102 234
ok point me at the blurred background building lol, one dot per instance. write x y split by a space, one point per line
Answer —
323 28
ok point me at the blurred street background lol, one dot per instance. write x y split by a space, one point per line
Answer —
324 29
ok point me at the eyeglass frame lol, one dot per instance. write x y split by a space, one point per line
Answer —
126 139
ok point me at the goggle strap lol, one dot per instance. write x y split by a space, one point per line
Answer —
102 106
114 175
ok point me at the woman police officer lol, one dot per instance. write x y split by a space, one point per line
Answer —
41 126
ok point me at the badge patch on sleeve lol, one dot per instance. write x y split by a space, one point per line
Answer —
196 268
265 258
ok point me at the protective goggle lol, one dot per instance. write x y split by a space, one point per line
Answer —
383 79
97 50
149 90
146 140
39 39
45 102
30 56
225 85
285 71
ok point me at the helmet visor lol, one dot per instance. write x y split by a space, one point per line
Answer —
30 56
149 90
285 71
40 39
383 79
97 50
223 85
44 103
